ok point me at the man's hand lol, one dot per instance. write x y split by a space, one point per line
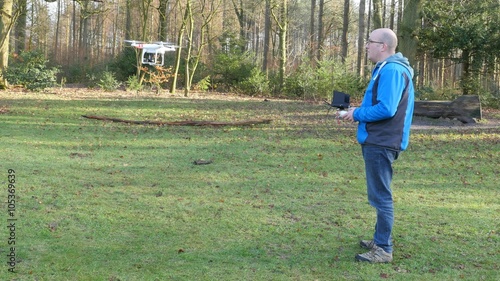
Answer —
349 116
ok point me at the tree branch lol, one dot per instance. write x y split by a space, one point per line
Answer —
181 123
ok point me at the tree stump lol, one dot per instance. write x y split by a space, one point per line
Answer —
465 108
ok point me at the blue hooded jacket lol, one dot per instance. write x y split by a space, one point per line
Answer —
385 115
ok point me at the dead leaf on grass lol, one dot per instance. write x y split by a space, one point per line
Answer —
384 275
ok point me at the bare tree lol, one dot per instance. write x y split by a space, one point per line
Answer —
208 11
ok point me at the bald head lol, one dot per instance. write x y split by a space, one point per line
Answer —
388 36
381 44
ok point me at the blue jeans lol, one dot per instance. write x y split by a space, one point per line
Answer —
378 168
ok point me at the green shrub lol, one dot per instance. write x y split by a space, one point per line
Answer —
429 93
301 83
232 68
491 97
30 70
256 84
341 78
204 84
108 82
318 82
124 65
133 84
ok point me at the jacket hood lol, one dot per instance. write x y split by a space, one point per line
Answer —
396 58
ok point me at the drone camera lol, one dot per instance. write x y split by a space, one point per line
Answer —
152 58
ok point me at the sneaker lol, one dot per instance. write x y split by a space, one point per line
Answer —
367 244
376 255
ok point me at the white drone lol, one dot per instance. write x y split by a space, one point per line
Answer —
152 53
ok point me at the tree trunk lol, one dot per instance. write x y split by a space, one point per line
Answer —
321 30
467 81
392 15
282 22
180 37
377 14
407 43
345 30
267 36
74 38
163 22
368 24
145 16
361 37
189 48
58 24
84 32
240 15
21 26
128 21
6 23
312 32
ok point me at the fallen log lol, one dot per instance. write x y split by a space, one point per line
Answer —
465 109
181 123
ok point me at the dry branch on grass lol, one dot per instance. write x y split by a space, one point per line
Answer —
182 123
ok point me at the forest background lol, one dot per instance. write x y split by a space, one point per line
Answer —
292 48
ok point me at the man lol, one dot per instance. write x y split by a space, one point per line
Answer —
384 118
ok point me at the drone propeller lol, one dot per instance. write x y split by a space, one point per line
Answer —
166 44
134 41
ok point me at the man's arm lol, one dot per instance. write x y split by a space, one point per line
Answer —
390 87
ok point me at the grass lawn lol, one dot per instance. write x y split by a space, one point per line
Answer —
99 200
